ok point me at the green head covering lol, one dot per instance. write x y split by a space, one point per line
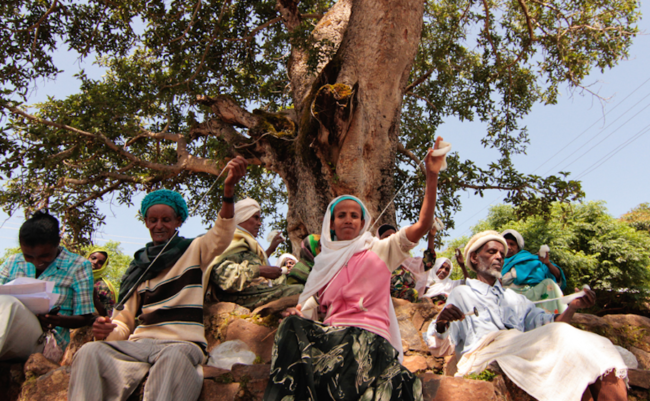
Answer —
165 197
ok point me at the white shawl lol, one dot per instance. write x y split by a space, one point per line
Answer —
332 257
437 286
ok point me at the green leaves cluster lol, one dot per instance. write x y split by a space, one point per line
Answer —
591 246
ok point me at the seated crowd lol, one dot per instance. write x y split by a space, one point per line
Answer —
341 340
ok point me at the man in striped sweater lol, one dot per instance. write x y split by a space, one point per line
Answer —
169 342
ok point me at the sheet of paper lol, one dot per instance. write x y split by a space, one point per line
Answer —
36 295
26 285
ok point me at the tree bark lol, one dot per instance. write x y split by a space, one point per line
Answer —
349 118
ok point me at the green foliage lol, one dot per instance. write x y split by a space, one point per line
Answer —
590 246
639 217
118 261
8 253
486 375
489 61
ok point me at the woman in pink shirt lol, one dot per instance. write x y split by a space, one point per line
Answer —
355 353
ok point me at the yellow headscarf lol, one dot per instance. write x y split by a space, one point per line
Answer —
99 273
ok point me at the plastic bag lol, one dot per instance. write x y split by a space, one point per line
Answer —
229 353
628 357
52 350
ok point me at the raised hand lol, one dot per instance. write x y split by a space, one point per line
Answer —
236 171
102 327
434 163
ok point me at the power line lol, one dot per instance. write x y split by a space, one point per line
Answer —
620 147
595 122
600 142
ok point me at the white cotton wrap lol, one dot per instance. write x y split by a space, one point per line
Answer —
478 240
445 147
518 237
245 209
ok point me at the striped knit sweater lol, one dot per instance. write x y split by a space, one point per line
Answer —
170 306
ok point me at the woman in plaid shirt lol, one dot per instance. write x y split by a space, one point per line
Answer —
44 259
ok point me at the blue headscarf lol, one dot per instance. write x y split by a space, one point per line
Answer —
348 197
165 197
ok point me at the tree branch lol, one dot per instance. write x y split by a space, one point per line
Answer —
40 20
228 111
412 156
524 8
419 80
423 99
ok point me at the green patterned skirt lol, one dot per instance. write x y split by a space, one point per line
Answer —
312 361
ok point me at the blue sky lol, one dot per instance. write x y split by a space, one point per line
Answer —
603 144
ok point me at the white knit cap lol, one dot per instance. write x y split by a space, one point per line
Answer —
478 240
518 237
244 209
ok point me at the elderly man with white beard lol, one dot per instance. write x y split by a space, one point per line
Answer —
538 351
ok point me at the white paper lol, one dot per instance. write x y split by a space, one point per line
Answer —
36 295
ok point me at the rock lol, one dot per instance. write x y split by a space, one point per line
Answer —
213 391
52 386
216 317
37 365
250 372
258 338
277 305
642 357
12 377
444 388
410 334
623 330
78 338
210 372
415 363
639 378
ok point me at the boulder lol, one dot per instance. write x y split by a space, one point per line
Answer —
12 377
78 338
639 378
415 363
642 357
52 386
445 388
37 365
213 391
623 330
258 338
216 317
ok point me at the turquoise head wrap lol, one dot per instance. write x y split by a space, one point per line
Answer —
348 197
165 197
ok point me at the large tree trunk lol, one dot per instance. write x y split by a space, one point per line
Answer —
347 109
349 122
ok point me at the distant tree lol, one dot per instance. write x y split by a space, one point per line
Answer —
8 253
639 217
590 245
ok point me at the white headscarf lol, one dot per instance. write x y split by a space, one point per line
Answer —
437 286
518 237
284 257
245 209
332 257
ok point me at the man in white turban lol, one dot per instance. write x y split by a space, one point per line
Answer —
547 358
242 274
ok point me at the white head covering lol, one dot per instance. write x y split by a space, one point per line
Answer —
437 286
478 240
518 237
332 257
284 257
244 209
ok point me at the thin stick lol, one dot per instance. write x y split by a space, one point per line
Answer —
120 305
